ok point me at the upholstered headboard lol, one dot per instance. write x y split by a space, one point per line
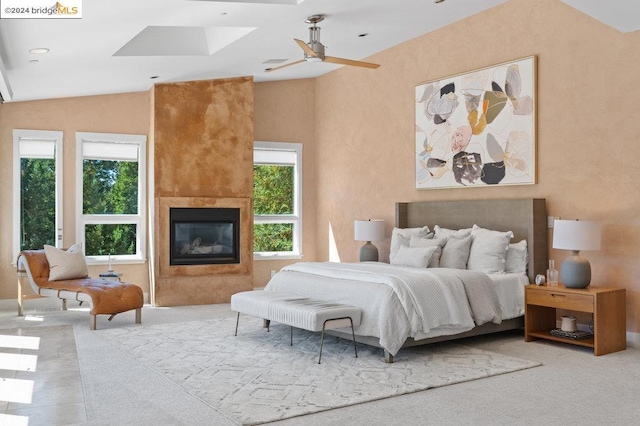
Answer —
526 218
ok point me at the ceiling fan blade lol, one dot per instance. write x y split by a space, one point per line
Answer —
284 66
343 61
308 50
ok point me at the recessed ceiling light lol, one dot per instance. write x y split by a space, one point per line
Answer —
39 50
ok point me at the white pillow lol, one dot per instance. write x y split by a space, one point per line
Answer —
517 258
446 233
488 250
439 243
455 253
413 256
66 265
402 236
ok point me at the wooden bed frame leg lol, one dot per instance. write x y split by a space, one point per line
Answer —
92 322
388 358
139 316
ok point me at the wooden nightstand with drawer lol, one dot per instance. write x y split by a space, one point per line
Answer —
607 305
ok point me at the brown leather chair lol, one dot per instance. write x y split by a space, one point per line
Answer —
105 297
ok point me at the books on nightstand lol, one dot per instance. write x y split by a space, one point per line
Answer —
571 334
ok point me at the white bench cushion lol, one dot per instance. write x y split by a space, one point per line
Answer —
294 310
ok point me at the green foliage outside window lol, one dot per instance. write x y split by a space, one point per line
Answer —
273 194
38 203
110 187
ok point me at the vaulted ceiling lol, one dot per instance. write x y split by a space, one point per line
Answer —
124 46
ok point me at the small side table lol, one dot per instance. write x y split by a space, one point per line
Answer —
111 275
606 304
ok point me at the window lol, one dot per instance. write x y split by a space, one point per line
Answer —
37 189
111 196
277 201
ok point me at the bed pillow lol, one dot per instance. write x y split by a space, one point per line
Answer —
488 251
517 258
66 265
455 253
413 256
445 232
439 243
402 236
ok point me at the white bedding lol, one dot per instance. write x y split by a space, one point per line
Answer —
399 302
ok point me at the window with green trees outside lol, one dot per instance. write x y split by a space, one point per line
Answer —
276 199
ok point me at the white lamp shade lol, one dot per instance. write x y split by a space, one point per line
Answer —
576 235
369 230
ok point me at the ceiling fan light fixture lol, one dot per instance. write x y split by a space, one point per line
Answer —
39 50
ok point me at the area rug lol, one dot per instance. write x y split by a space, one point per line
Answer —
257 377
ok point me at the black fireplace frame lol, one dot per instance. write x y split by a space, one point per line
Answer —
203 215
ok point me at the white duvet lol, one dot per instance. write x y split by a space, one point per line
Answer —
399 301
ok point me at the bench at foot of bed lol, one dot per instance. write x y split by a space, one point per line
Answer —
296 311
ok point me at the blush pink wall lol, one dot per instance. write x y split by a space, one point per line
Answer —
122 113
587 133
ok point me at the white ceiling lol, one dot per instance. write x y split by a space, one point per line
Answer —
118 45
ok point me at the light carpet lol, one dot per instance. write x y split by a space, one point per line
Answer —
257 377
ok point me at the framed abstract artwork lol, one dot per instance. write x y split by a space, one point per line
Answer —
477 129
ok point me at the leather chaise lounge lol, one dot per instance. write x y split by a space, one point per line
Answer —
105 297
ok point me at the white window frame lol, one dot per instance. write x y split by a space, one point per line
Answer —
138 219
296 217
56 137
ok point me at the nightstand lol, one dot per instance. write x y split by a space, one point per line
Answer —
607 305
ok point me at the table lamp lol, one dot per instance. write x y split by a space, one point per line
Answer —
576 235
369 230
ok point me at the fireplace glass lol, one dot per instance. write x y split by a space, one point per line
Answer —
203 236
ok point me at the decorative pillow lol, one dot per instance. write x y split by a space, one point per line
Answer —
517 258
439 243
66 265
446 233
413 256
455 253
488 250
402 236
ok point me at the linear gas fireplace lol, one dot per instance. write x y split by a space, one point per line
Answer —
204 236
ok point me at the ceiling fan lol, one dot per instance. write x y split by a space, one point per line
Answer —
314 50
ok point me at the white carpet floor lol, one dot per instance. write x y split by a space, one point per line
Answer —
571 387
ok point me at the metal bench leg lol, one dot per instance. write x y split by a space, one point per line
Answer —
139 316
237 321
321 341
291 344
64 304
92 322
353 333
265 324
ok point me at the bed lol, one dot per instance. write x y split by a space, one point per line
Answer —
410 305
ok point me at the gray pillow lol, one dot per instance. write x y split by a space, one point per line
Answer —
439 243
488 251
417 256
456 253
